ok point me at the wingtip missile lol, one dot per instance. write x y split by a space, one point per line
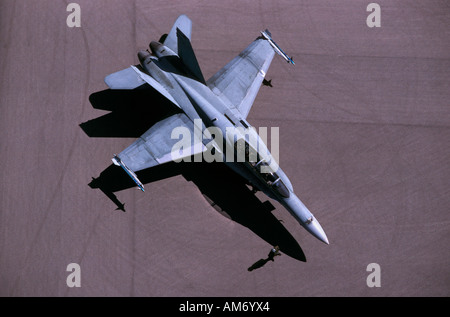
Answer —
118 162
268 36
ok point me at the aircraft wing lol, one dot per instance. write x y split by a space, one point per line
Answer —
132 77
238 83
155 146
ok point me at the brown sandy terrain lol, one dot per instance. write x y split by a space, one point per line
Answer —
364 120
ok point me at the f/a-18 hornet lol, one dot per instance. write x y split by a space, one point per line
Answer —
216 106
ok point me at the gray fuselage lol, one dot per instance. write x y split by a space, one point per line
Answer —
199 102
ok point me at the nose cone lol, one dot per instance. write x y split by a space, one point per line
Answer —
305 217
314 227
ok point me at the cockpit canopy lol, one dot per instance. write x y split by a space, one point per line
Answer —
246 153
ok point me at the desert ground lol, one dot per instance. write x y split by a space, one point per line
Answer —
364 136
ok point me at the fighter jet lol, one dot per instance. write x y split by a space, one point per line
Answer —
220 104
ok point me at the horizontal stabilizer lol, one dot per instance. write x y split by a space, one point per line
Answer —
124 79
149 80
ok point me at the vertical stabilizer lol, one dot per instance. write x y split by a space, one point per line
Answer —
187 56
185 25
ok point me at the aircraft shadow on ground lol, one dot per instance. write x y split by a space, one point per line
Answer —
227 192
132 112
